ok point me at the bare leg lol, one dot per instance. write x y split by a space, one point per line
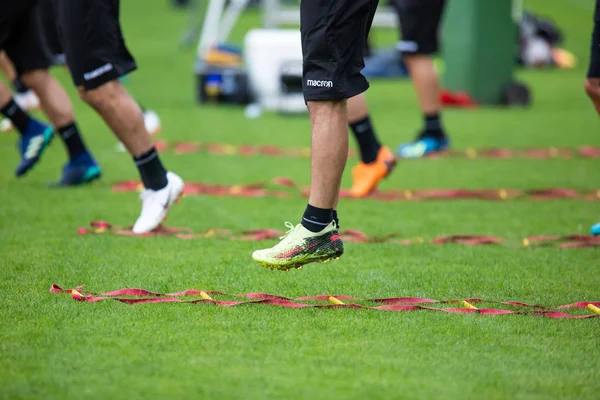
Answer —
357 108
121 113
5 95
7 67
54 101
329 151
592 87
426 82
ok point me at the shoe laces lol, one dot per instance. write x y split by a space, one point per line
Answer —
291 228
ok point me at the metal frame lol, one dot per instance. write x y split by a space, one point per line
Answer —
275 15
219 21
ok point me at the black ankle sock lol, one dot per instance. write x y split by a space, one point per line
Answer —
18 117
19 86
335 218
316 219
152 172
367 140
72 139
433 126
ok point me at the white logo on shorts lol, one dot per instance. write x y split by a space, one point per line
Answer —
408 46
323 84
88 76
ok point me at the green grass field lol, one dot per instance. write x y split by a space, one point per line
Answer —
53 347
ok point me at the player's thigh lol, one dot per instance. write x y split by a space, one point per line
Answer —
91 37
333 41
419 25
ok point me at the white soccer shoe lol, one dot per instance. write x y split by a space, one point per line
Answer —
156 204
6 125
152 122
27 100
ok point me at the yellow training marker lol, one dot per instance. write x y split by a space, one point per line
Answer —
335 301
75 293
471 153
468 305
503 194
205 296
594 308
526 242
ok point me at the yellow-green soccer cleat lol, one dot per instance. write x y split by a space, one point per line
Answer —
300 246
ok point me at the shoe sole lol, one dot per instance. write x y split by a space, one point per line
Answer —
87 182
298 266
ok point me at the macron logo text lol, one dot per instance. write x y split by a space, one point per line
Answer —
323 84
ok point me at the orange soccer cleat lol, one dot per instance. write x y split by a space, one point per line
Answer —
366 177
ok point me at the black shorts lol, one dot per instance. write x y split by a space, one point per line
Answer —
334 41
91 36
594 70
21 37
419 25
50 32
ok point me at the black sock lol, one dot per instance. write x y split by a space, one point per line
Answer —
72 139
19 86
18 117
433 126
316 219
152 172
335 218
366 139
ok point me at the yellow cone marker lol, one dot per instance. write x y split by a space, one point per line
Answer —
408 194
76 293
230 150
100 230
205 296
503 194
466 304
553 152
471 153
335 301
594 308
526 242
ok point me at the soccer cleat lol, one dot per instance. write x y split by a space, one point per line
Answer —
299 247
423 146
27 100
32 145
6 125
152 122
596 229
156 204
83 169
366 177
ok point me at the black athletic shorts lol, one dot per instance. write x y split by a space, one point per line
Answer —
419 25
594 70
50 32
91 37
334 41
21 37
